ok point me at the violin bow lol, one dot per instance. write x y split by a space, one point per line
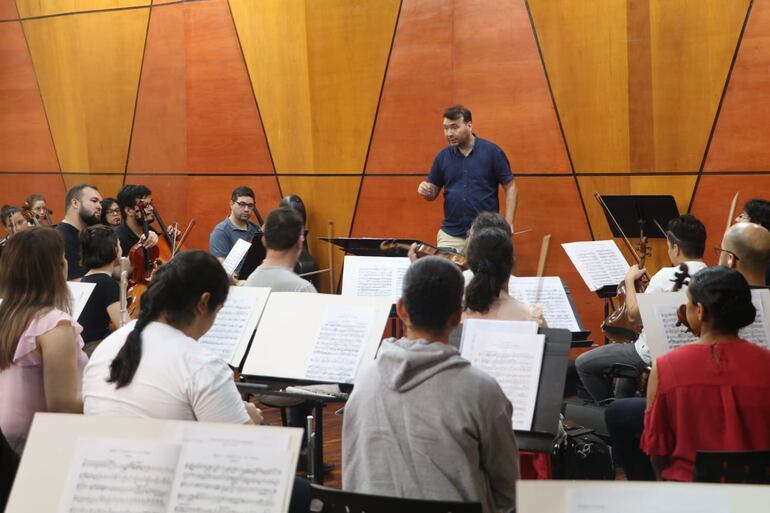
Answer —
731 214
541 266
617 225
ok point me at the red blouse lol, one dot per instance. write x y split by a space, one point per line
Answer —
708 406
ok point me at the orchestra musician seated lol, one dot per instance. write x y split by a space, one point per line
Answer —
41 361
422 422
39 208
757 211
100 253
712 394
131 229
111 213
14 220
83 208
236 226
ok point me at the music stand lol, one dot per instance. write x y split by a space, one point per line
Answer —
637 214
254 257
368 246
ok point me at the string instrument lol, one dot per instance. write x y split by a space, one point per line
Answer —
123 291
35 217
681 279
170 245
617 327
423 250
540 270
144 261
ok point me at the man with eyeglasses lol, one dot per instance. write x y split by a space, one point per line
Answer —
746 248
757 211
235 226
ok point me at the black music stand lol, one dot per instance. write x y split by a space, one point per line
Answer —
368 246
254 257
637 214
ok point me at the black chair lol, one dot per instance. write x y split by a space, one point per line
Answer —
9 462
331 500
742 467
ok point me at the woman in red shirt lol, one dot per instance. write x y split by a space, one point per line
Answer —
712 394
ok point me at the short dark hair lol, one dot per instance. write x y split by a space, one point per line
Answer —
458 111
242 191
283 228
106 204
76 192
129 194
432 292
490 257
725 295
758 211
32 198
6 212
687 232
98 246
490 220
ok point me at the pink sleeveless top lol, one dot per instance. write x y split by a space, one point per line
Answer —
21 385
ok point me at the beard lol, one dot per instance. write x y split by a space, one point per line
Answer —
89 218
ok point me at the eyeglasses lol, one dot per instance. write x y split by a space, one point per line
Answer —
719 252
243 204
113 211
743 217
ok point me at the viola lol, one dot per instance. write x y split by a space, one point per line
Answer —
423 250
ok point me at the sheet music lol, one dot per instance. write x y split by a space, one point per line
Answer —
511 354
599 262
666 318
235 323
672 499
235 256
364 276
758 331
339 343
557 309
80 293
126 476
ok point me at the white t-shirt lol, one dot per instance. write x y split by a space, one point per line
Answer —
177 378
662 281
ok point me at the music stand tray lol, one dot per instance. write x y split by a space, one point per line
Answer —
254 257
636 214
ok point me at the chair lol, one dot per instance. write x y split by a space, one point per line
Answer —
9 462
744 467
330 500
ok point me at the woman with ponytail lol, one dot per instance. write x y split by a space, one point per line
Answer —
153 367
490 258
712 394
41 357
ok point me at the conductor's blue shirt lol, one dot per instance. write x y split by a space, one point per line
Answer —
470 183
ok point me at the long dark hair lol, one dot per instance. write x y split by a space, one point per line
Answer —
174 292
490 257
725 295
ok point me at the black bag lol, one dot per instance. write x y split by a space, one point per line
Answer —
582 455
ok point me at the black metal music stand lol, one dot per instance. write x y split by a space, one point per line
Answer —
637 214
368 246
254 257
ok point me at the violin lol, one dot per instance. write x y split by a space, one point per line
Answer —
681 279
423 250
144 262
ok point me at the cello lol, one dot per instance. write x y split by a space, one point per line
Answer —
144 260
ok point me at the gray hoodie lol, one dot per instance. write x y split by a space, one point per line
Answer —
422 423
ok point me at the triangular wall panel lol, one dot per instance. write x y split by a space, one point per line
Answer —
30 8
8 10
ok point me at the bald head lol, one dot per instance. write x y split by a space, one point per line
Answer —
751 244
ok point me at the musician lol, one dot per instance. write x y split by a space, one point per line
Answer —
100 254
757 211
13 220
111 213
421 421
470 170
41 361
283 240
131 230
39 208
235 226
82 208
712 394
746 248
686 242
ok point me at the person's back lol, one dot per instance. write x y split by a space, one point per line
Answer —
421 422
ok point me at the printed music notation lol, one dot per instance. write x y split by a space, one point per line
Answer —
374 276
599 262
549 293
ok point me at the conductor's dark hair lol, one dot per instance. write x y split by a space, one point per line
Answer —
129 194
295 202
490 220
283 228
689 234
76 192
725 295
432 292
240 192
174 292
490 257
456 112
98 246
758 211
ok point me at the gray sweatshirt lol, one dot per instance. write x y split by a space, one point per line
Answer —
422 423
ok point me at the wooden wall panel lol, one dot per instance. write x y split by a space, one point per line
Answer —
196 110
740 141
489 62
319 84
714 196
584 46
108 185
88 68
15 187
25 141
693 42
326 198
28 8
205 198
679 186
8 10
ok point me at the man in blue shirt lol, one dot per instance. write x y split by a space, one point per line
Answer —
236 225
469 170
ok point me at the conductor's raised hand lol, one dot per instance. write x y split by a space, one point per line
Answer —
427 190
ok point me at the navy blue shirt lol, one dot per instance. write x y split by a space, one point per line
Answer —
470 183
226 234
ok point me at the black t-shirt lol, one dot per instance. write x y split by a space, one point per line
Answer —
94 318
71 235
